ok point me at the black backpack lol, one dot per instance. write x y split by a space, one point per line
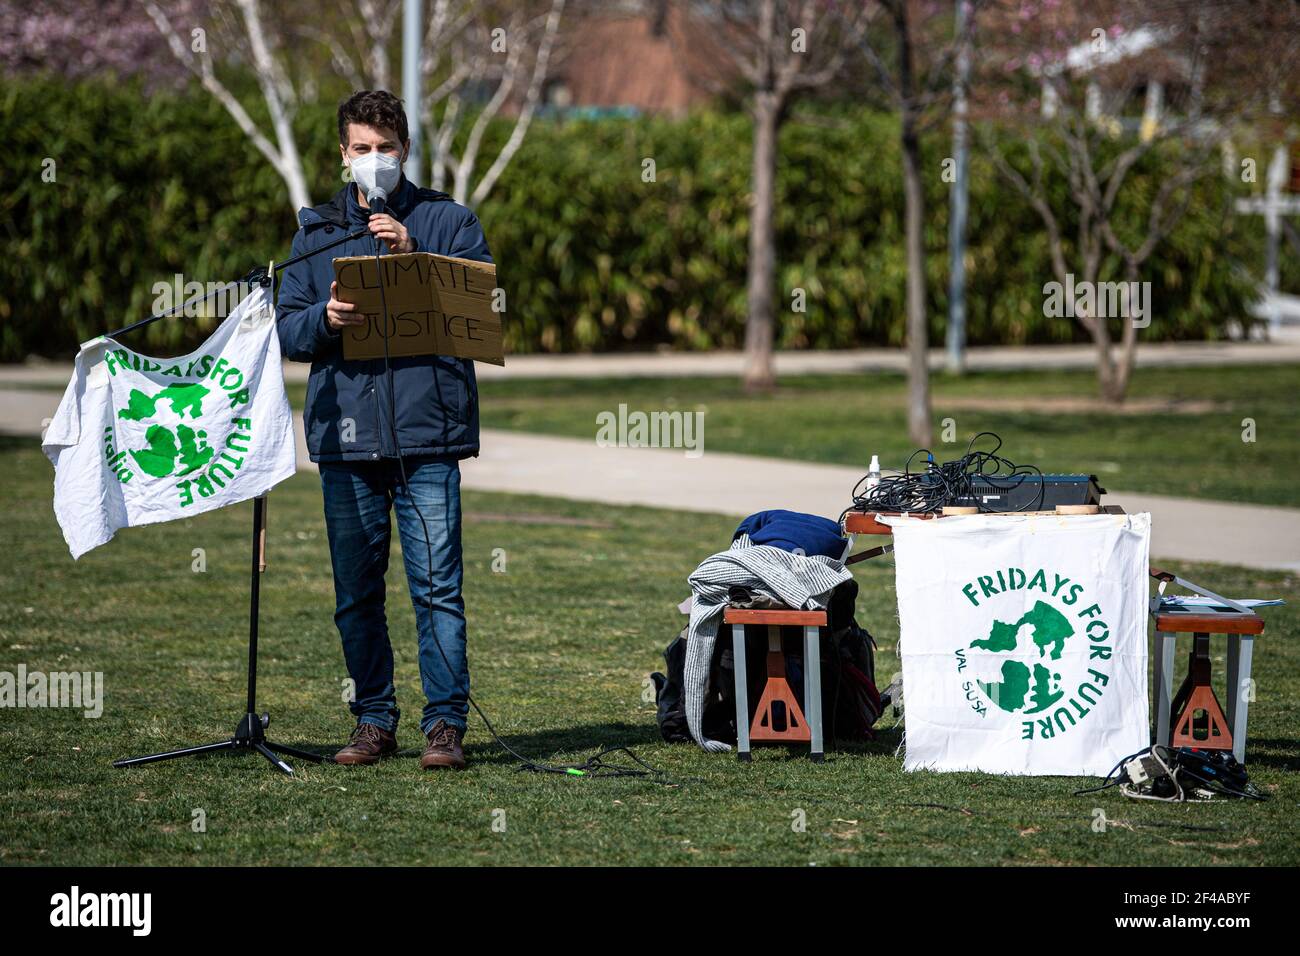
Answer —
850 701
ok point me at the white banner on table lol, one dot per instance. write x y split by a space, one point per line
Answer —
1024 641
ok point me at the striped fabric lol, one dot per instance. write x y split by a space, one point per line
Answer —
798 582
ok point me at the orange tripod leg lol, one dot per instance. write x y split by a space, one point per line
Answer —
1196 695
778 718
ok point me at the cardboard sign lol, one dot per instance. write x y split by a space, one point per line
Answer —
437 305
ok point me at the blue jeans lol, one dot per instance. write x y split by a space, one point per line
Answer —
358 497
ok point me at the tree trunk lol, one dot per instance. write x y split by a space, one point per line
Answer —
759 374
918 333
959 196
1105 364
291 170
1107 373
1123 368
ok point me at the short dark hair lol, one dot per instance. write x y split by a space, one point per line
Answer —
377 108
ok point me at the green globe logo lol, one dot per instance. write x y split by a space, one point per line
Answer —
176 450
1020 667
1022 690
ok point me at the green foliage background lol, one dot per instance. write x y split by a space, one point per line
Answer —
592 257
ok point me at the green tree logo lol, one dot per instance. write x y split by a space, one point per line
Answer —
1021 689
170 452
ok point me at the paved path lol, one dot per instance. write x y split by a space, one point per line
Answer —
804 362
26 411
1285 349
720 483
1250 535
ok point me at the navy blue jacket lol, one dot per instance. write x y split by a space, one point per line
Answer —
794 531
436 397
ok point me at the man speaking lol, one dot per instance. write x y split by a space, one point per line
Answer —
350 434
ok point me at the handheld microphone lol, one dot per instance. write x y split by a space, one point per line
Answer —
377 199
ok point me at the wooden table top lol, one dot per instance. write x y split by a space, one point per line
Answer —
864 522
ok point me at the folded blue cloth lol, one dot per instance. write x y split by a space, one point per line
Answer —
794 531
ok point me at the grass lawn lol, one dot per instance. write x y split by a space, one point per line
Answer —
1181 435
560 646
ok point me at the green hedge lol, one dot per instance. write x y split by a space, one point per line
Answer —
592 257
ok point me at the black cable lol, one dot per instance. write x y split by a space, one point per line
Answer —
1191 764
936 485
1181 766
1107 783
594 766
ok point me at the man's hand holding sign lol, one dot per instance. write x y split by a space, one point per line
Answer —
437 305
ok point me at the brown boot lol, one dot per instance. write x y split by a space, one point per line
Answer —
444 748
369 744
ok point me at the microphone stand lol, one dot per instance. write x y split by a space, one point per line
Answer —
250 734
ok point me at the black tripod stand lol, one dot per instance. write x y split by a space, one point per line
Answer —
251 732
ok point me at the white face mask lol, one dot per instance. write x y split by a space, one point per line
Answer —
377 170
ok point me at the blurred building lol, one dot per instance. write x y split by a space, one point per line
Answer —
652 56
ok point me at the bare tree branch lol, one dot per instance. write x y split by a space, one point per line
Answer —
276 91
540 66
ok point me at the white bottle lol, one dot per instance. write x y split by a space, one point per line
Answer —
873 472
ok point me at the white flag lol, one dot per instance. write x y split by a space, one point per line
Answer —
1024 641
138 440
